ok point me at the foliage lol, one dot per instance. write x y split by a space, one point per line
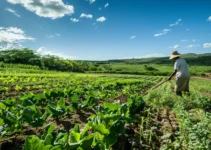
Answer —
51 62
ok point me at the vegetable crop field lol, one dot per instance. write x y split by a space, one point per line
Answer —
49 110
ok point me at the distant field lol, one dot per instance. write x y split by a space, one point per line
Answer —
196 70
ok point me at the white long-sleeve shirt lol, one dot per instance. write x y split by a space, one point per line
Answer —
182 69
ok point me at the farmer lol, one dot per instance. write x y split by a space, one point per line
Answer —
182 74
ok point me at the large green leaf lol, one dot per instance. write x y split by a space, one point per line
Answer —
61 103
47 137
2 106
86 143
48 130
29 113
56 112
101 129
112 106
1 122
136 104
72 146
33 143
85 131
74 137
75 101
110 140
33 116
27 102
56 148
40 99
61 139
8 117
54 94
48 140
76 128
9 102
48 147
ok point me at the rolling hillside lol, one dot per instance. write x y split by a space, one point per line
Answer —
191 58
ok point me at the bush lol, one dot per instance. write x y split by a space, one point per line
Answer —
150 68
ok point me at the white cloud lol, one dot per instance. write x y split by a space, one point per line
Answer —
15 30
74 19
184 40
145 56
13 12
159 34
175 47
45 51
101 19
46 8
165 31
132 37
192 46
153 55
91 1
106 5
207 45
12 36
176 23
209 18
83 15
50 36
10 46
41 49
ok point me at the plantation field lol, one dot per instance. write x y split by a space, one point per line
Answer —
67 111
159 68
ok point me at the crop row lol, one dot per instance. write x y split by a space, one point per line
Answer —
106 123
192 114
78 96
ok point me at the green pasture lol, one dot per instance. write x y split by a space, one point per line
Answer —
161 68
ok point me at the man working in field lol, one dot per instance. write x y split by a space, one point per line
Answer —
182 74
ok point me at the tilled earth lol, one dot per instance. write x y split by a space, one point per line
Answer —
16 141
153 129
158 129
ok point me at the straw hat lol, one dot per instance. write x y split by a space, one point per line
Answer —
174 54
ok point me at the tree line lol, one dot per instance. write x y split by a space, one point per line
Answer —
49 62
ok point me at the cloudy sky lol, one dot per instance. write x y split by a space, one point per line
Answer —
106 29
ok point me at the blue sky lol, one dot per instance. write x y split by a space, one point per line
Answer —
106 29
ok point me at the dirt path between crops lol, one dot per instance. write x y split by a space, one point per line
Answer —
208 74
162 124
206 93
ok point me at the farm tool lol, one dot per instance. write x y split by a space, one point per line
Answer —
159 84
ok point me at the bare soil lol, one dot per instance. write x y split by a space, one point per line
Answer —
16 141
164 123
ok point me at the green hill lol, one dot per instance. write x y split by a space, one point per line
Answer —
191 58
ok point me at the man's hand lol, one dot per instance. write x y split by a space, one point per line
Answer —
173 74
